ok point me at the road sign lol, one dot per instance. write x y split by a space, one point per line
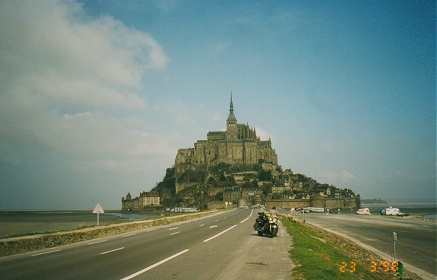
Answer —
98 209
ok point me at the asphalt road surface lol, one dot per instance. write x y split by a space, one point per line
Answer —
416 239
223 246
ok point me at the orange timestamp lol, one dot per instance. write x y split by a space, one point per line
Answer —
374 266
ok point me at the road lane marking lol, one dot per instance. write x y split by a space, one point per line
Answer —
112 251
247 217
175 233
155 265
213 226
127 235
49 252
218 234
173 228
201 225
96 242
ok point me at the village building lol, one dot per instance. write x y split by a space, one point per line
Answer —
146 201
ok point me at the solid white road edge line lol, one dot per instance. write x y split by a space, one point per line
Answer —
218 234
154 265
49 252
112 251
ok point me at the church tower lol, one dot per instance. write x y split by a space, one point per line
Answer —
231 124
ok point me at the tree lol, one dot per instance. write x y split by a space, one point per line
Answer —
265 175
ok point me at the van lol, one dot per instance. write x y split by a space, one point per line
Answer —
363 211
392 212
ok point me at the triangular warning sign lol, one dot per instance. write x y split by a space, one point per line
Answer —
98 209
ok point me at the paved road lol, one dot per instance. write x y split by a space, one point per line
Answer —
415 247
223 246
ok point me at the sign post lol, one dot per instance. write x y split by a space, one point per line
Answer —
395 238
97 210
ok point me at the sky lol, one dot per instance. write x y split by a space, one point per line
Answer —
96 97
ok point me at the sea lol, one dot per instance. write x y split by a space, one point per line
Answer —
27 222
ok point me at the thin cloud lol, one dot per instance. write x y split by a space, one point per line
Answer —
221 48
262 134
343 176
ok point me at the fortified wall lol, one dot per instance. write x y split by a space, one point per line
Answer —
318 202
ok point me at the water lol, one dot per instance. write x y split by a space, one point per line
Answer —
33 222
433 216
426 210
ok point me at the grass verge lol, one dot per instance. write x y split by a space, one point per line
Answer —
318 254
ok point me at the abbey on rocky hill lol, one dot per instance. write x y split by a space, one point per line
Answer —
234 167
239 144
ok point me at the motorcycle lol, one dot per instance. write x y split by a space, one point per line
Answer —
266 225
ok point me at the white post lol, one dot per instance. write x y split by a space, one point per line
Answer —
395 237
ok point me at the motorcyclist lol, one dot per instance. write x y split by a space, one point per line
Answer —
273 211
261 219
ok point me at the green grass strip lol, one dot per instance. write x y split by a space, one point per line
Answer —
318 254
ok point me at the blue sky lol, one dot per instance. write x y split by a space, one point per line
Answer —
96 97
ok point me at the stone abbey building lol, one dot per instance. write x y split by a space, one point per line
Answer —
239 144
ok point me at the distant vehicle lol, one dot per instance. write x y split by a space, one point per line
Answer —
363 211
185 210
392 212
317 210
304 210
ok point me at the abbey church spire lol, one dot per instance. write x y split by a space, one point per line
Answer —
231 123
231 116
